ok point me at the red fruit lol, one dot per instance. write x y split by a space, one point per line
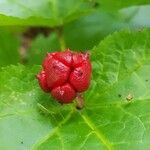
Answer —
64 93
65 57
65 74
42 81
80 77
58 73
78 58
48 57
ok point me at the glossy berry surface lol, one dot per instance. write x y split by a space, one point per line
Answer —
65 74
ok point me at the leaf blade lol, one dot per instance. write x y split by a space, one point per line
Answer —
51 13
108 121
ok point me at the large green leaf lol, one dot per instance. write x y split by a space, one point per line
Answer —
45 12
138 18
116 115
87 31
97 25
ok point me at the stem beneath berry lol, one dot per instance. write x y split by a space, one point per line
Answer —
79 102
60 35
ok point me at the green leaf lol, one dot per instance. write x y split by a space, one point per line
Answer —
93 28
31 119
112 5
40 46
46 12
138 18
23 118
9 48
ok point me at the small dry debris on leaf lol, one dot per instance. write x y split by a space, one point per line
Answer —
129 97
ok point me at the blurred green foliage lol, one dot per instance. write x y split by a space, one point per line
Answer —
74 24
9 52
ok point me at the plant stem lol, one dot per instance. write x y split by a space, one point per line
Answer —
60 35
79 102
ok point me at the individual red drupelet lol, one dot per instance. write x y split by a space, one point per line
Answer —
65 74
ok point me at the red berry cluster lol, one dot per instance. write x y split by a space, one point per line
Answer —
65 74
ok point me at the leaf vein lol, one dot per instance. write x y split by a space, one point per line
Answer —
52 132
98 133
